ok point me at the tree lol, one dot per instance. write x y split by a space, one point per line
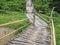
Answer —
55 3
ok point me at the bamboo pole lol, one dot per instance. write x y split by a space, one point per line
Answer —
53 39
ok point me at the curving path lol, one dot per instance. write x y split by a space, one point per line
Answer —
33 35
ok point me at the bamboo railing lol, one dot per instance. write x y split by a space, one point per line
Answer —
7 37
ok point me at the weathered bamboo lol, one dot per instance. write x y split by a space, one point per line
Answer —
12 22
53 39
7 37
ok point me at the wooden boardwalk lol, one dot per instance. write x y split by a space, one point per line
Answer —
33 35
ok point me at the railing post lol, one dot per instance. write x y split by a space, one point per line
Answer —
33 20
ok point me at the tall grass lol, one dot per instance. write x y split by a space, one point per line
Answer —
13 16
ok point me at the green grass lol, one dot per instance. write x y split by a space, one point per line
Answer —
13 16
57 29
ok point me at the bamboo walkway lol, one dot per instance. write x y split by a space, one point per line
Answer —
37 34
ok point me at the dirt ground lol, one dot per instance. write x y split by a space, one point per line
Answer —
4 31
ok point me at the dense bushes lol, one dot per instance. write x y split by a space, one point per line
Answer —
41 5
46 5
12 5
55 3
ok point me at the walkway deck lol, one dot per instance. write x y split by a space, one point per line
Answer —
34 35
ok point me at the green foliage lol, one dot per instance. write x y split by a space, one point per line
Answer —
41 5
11 16
55 3
12 5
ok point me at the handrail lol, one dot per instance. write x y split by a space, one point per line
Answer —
53 39
7 37
13 31
40 16
12 22
53 34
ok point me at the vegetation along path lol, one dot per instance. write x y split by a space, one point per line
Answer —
33 35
